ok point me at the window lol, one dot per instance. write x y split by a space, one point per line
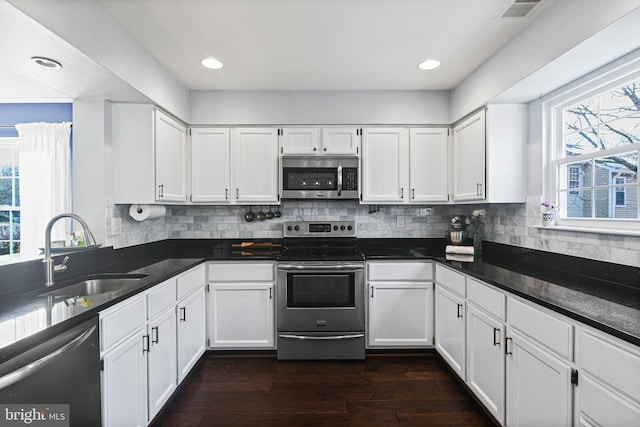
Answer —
595 136
9 197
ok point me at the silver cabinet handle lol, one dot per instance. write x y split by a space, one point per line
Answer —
145 340
183 314
496 340
226 194
413 193
237 193
478 189
155 340
160 191
33 367
459 315
402 192
322 338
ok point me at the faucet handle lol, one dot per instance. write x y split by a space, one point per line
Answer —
63 266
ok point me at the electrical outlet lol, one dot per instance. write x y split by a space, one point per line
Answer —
115 228
400 221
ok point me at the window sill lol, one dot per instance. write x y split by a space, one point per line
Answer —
611 231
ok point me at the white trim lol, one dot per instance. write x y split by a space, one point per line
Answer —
612 231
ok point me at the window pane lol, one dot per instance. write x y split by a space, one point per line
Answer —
577 202
620 102
581 116
6 191
5 232
582 143
620 132
576 175
4 248
16 188
619 166
4 216
5 169
16 247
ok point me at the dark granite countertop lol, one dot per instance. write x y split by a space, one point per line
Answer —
603 295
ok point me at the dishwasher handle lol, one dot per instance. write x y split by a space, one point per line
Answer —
35 366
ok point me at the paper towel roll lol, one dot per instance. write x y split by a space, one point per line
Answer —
464 250
144 212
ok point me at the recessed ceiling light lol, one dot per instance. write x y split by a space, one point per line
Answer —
46 62
212 63
429 64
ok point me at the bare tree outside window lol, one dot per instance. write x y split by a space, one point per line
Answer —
598 173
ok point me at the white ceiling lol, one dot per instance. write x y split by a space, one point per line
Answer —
319 44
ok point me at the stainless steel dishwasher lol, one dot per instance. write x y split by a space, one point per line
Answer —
62 370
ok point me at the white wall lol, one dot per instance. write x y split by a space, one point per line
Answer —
558 29
89 169
319 107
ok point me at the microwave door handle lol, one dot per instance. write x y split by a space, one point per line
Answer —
339 180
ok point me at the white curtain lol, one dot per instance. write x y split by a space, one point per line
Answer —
45 180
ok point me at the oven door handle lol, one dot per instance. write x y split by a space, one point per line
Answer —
321 338
339 180
341 267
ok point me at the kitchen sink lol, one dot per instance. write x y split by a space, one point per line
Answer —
96 284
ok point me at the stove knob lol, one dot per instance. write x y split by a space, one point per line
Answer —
297 228
342 227
349 228
289 228
335 228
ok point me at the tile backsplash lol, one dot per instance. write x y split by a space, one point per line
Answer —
514 224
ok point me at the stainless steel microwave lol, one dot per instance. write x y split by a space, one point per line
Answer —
324 177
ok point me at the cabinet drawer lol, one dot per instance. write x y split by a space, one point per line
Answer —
550 331
400 271
451 280
121 320
161 297
191 280
489 299
615 364
241 272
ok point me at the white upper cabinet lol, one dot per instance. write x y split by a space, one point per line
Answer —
428 160
149 155
384 154
488 155
320 141
341 140
210 165
171 159
299 141
255 167
404 165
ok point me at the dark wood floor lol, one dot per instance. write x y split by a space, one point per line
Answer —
407 390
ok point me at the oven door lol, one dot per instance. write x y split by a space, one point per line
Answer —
320 297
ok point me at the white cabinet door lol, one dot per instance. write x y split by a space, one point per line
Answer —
384 165
255 165
299 141
191 331
469 139
539 390
210 165
598 405
241 315
486 360
124 383
162 365
450 329
400 314
170 159
428 160
341 141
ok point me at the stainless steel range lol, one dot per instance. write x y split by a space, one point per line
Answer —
320 291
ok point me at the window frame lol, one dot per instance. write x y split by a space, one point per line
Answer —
555 158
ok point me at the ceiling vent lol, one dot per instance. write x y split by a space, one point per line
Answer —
520 8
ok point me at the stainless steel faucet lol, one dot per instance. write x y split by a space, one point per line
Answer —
49 266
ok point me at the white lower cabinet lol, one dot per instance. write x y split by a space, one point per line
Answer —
485 360
400 308
124 383
450 329
162 365
608 392
241 305
192 333
539 390
145 350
